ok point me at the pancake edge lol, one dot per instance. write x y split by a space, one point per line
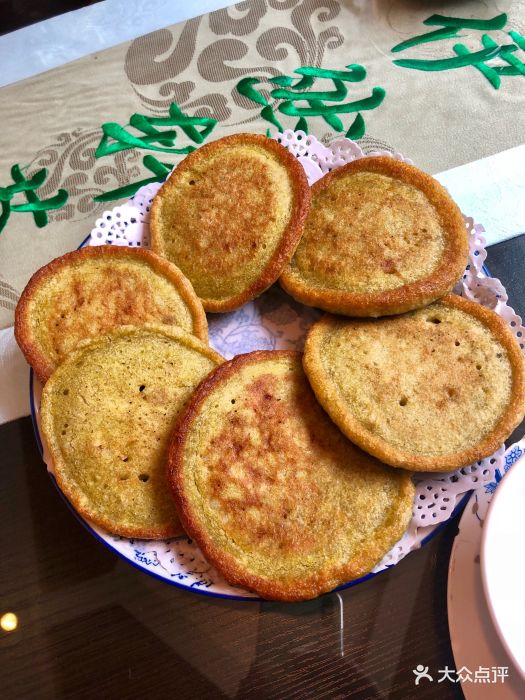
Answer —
51 443
226 564
31 350
409 296
290 237
329 397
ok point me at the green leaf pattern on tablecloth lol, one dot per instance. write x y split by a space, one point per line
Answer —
26 186
155 66
252 43
508 64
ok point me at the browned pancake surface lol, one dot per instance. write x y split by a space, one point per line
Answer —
273 493
87 293
381 237
431 390
107 413
230 216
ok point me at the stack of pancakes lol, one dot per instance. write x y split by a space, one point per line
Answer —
291 472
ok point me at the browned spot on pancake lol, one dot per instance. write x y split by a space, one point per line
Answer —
78 292
389 265
260 465
94 309
357 223
230 203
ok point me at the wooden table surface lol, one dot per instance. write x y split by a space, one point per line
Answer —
92 626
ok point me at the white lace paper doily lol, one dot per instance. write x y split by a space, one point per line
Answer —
275 321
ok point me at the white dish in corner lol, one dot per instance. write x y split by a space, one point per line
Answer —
503 562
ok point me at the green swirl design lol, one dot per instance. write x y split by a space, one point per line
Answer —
38 207
291 90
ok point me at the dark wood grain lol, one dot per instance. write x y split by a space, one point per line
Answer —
92 626
21 13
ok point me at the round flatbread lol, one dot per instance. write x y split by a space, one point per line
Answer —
276 497
431 390
107 413
230 216
381 238
87 293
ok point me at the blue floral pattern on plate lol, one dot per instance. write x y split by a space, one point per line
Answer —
511 456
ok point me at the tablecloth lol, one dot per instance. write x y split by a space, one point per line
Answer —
52 123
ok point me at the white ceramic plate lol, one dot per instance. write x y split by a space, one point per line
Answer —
503 563
475 643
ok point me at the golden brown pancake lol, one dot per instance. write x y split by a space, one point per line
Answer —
107 413
87 293
276 497
230 216
381 238
431 390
